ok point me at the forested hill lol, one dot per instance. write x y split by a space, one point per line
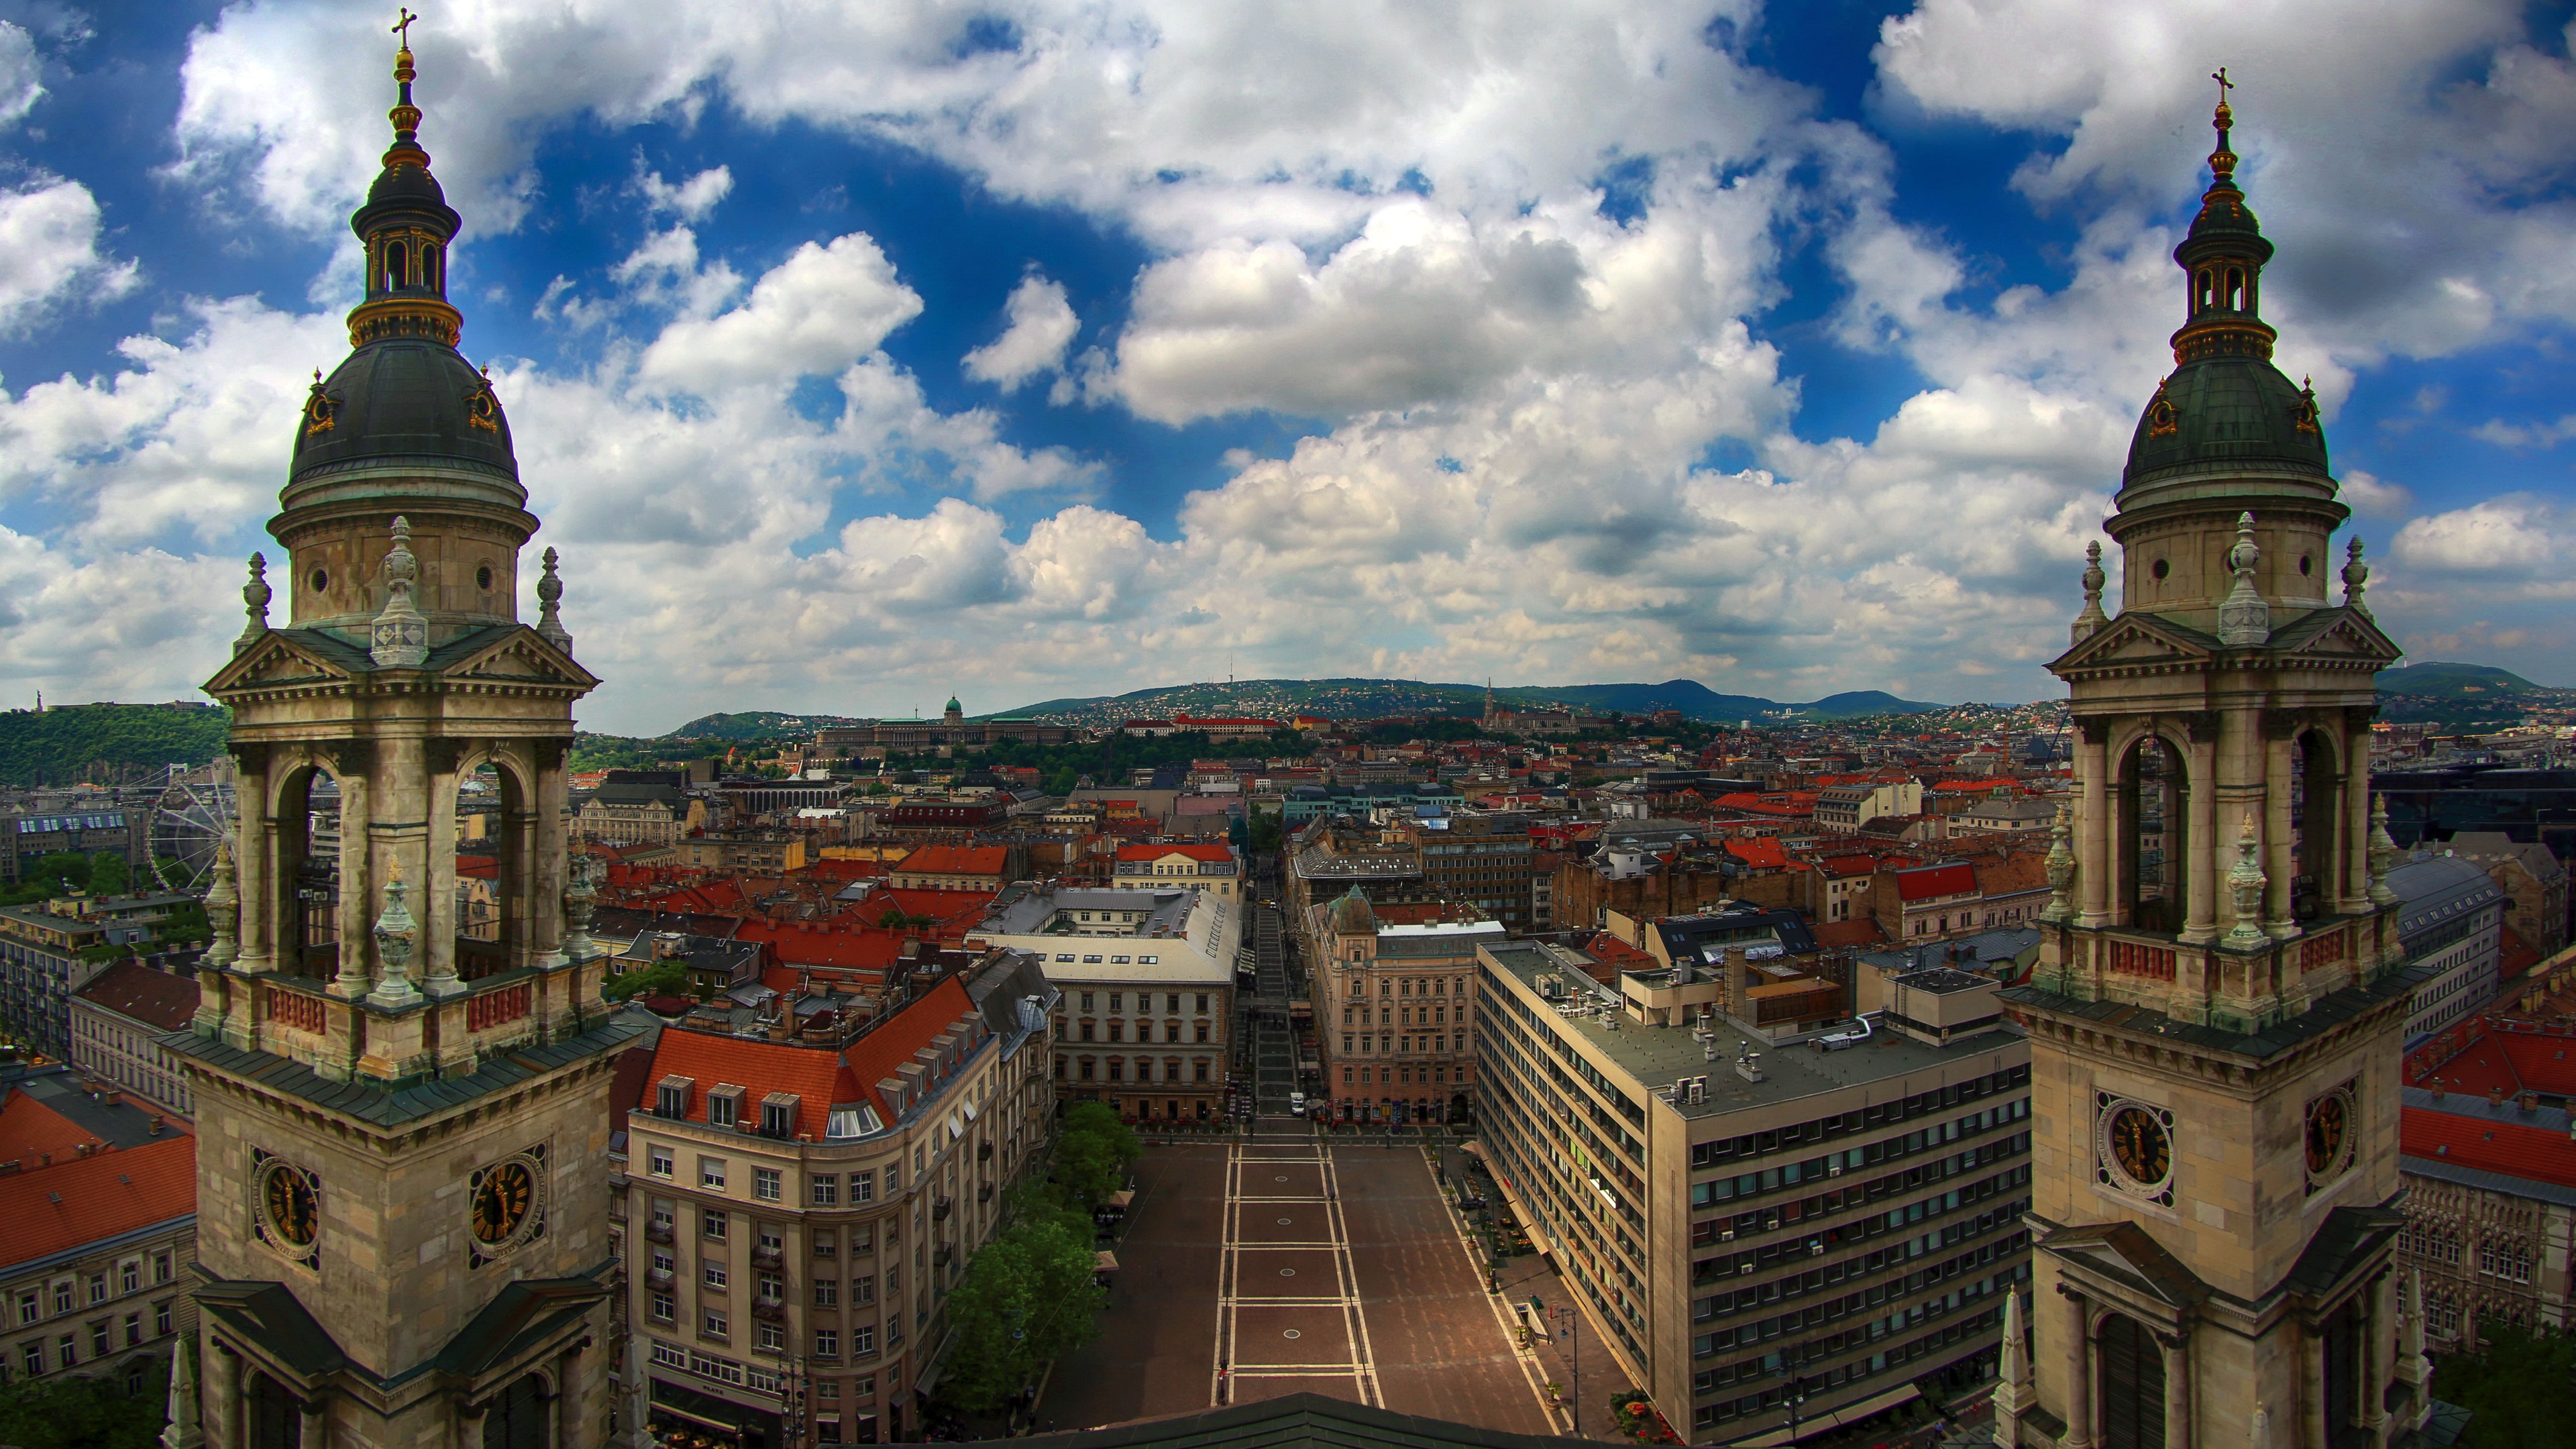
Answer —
107 744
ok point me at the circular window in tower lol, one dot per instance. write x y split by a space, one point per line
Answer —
319 580
2160 570
483 578
2306 565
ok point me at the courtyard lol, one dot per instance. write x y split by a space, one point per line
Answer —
1270 1266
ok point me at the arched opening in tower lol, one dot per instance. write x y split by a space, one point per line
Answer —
495 846
308 872
2132 1390
2148 833
2317 821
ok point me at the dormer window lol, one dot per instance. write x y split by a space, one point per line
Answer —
724 1106
778 1115
671 1098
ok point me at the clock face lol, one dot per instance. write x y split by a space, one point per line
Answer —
2329 1134
2140 1145
287 1200
502 1201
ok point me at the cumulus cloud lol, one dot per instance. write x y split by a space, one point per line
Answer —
49 252
21 74
822 309
2515 536
690 200
1042 326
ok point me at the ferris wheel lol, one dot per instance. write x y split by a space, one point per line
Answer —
195 811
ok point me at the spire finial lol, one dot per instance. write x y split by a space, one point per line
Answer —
399 638
2356 577
2092 618
2222 162
2243 617
404 115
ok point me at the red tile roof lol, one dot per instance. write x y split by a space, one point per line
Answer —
1778 802
1849 935
1761 850
29 1129
828 945
1843 867
2533 1153
156 998
816 1076
990 860
1954 878
55 1209
2517 956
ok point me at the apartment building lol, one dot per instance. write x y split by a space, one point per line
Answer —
1207 866
1394 1015
41 961
1145 985
117 1020
807 1196
1741 1227
2490 1208
2450 925
1483 860
100 1198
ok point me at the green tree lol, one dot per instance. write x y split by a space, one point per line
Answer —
1028 1297
108 876
65 1412
658 980
1092 1152
2518 1384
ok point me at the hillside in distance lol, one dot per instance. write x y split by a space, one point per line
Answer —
107 744
1380 698
757 724
2437 680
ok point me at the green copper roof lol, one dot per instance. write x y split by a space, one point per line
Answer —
2237 413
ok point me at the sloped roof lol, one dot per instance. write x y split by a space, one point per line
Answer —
817 1076
992 860
1950 878
1849 935
55 1209
131 989
832 945
1215 854
1762 851
2017 873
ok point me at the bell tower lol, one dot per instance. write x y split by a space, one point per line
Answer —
2218 1012
402 1204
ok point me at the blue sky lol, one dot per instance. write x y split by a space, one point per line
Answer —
857 355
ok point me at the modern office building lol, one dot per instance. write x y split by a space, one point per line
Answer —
1755 1234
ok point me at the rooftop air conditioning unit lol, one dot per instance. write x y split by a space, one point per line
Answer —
1726 1235
1834 1170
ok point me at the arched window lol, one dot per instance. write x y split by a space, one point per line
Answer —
2235 289
2204 291
2318 825
429 267
395 268
2133 1386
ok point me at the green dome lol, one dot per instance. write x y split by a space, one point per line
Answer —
407 398
955 706
2233 414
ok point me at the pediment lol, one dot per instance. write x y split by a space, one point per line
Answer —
2134 639
2345 635
277 660
517 656
2126 1254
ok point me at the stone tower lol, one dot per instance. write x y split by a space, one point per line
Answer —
402 1203
2217 1015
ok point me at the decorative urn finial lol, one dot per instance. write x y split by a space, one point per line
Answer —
255 597
549 597
2092 618
400 636
2245 884
223 910
396 934
580 902
2382 853
2356 577
2061 867
2244 618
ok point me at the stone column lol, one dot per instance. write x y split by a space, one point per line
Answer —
2075 1331
2177 1356
2355 887
2200 920
2378 1303
223 1418
553 838
2280 763
357 911
436 907
255 824
2093 825
313 1425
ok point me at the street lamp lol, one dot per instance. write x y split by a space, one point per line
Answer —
1793 1393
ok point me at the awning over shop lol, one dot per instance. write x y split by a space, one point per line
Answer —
1104 1261
1834 1418
1473 1149
1122 1199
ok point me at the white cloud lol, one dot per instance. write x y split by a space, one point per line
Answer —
21 74
692 199
822 309
2516 536
1042 326
49 252
2372 496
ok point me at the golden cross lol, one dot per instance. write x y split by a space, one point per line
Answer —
404 28
2224 84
